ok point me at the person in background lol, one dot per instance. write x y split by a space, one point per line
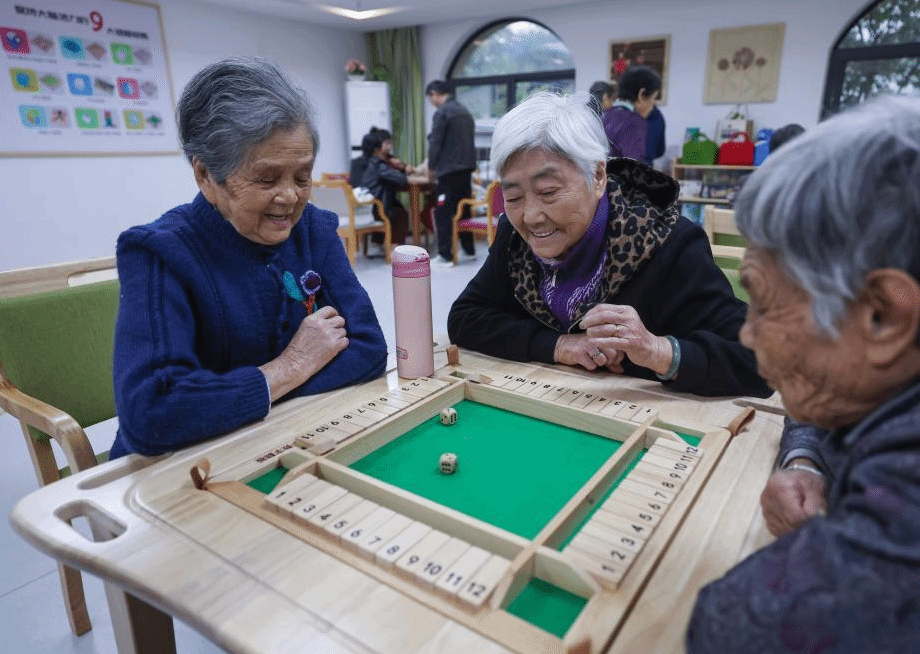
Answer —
593 266
391 159
783 135
625 122
602 94
244 296
358 165
384 180
452 159
654 136
833 273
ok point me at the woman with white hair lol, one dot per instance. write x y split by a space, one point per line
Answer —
592 264
833 273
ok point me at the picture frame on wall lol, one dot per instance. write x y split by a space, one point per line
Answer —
92 79
651 51
743 64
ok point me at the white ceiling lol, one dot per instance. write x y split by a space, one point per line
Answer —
412 12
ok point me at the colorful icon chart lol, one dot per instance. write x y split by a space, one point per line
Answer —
84 85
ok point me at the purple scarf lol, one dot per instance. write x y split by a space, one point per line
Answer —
568 282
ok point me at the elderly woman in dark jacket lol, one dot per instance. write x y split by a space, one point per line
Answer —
243 296
833 273
593 266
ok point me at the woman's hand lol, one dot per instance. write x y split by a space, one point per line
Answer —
790 498
579 350
616 327
320 337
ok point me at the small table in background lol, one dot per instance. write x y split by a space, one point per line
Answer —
419 185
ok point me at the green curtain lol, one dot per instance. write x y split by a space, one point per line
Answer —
396 58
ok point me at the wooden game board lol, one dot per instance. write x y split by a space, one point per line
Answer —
254 576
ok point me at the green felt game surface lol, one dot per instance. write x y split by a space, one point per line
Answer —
514 472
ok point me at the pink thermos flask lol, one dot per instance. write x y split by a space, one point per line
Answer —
412 304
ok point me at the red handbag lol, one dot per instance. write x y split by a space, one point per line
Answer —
737 151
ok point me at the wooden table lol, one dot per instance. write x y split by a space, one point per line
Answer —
418 186
251 586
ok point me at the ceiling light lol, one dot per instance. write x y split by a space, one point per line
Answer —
358 13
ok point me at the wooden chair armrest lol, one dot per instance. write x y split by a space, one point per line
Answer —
467 202
52 421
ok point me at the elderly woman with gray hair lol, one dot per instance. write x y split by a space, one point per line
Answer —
833 272
593 266
244 296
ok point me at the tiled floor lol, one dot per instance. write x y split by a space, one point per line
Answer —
32 617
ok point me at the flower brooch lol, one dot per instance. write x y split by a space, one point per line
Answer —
304 289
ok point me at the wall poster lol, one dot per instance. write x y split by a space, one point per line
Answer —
743 64
84 77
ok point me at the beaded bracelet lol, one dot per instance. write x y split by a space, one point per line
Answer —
805 468
671 372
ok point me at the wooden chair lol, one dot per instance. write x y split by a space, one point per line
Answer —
483 216
356 219
727 244
57 325
334 177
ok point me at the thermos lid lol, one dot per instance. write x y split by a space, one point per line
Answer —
410 261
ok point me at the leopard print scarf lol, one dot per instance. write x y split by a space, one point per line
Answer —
642 214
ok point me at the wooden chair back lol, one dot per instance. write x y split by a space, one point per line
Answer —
357 219
483 218
26 281
727 244
720 228
57 326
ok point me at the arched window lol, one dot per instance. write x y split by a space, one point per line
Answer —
504 63
879 53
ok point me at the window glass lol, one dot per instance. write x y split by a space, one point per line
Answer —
878 54
487 102
525 89
869 77
509 48
886 23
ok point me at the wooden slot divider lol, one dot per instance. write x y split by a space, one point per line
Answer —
448 560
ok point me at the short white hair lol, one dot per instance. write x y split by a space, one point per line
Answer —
563 125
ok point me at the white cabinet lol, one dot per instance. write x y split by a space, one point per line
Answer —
367 104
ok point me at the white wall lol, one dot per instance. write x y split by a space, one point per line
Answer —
65 208
811 29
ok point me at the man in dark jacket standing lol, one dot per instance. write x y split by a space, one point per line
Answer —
452 159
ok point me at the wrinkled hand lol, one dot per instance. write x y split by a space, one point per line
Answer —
790 498
319 338
617 327
579 350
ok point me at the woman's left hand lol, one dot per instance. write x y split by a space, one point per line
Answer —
618 327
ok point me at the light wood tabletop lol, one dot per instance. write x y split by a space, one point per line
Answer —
253 580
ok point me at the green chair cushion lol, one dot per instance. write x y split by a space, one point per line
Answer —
735 240
57 347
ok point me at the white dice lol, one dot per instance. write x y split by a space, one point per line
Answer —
448 463
448 416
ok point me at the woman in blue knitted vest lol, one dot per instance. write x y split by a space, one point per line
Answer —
244 296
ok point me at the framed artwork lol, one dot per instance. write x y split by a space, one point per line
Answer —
743 64
85 77
652 51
